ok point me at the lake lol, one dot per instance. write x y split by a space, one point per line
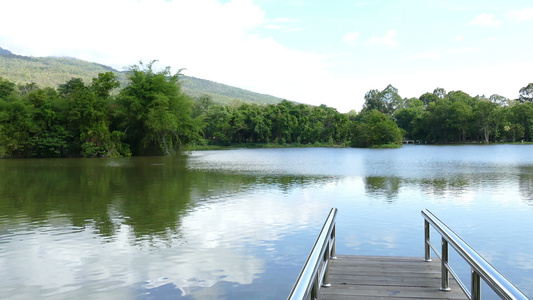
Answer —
239 224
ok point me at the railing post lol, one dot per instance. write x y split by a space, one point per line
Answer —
316 289
475 289
445 280
427 249
325 261
333 254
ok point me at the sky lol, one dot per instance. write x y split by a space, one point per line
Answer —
315 52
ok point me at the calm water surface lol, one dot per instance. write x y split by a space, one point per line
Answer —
238 224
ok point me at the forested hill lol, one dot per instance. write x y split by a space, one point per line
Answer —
223 94
53 71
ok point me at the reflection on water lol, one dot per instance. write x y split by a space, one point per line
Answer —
383 187
238 224
526 184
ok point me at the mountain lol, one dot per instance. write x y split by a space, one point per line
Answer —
223 94
5 52
52 71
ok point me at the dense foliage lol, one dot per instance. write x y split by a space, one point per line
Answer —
456 117
152 116
149 117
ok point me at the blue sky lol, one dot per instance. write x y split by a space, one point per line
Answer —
316 52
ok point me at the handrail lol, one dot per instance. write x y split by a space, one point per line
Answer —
480 267
315 273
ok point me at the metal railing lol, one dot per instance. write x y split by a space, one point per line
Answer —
315 273
480 268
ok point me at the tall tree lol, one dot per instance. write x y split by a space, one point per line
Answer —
499 100
391 98
373 101
427 98
387 101
526 93
486 116
409 118
16 126
523 115
88 116
439 93
375 128
435 121
157 114
460 118
6 88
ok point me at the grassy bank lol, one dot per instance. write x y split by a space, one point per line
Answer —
261 145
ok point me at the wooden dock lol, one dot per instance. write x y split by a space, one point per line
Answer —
328 276
384 277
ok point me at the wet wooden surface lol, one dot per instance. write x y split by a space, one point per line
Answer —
385 277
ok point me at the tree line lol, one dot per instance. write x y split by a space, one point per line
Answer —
456 117
152 116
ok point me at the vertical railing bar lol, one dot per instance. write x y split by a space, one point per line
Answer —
427 241
325 280
316 287
459 282
333 254
476 286
445 275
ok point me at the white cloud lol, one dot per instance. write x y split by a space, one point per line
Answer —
274 26
219 41
350 37
428 55
209 39
485 20
388 39
521 15
285 20
285 24
464 50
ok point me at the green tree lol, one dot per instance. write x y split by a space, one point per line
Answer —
51 138
498 99
526 93
393 101
522 114
283 122
157 115
6 88
428 98
16 126
375 129
460 118
435 121
409 119
373 101
439 93
217 128
201 105
104 84
386 101
88 117
486 116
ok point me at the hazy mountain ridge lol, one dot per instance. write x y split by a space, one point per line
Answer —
222 93
52 71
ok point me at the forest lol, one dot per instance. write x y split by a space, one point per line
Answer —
152 116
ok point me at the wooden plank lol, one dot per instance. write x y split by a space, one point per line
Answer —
384 277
